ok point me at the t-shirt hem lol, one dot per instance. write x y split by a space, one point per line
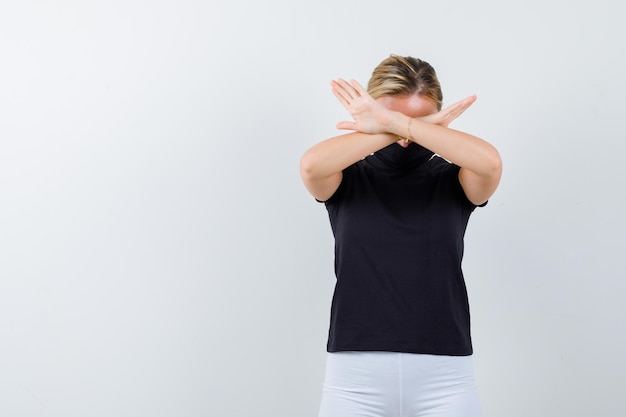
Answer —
404 349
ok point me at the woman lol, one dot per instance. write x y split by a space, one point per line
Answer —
399 192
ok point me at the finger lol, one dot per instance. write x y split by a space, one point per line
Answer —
466 102
456 109
461 105
344 97
339 93
349 88
344 89
346 126
359 88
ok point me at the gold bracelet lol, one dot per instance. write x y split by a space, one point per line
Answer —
408 138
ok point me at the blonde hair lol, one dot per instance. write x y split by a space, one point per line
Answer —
398 75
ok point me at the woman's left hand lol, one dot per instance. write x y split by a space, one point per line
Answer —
446 116
369 115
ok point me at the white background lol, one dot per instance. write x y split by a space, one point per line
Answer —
159 255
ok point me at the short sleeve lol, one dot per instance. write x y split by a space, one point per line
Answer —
450 176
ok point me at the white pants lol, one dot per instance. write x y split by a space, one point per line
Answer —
389 384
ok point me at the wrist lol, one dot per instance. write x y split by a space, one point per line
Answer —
400 125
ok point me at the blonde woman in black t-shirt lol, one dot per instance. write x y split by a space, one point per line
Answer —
399 191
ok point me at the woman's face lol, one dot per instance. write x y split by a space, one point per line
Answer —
412 105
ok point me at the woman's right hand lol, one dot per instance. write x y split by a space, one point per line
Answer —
369 115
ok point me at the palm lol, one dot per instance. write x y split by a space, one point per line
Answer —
369 115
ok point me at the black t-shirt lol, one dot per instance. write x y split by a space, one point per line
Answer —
399 218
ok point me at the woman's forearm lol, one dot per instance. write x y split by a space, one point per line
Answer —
462 149
337 153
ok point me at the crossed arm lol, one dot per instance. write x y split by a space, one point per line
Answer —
376 126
